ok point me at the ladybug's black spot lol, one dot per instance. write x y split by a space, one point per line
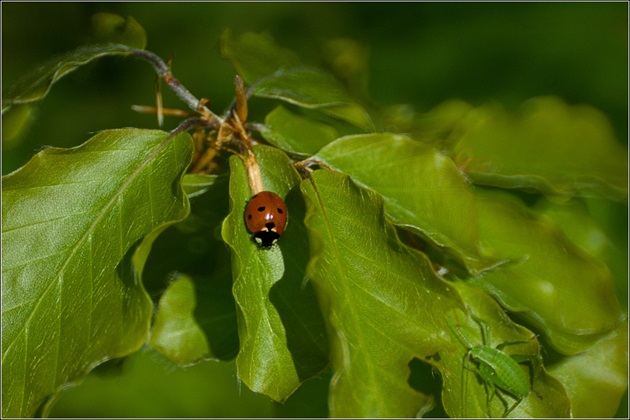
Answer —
270 226
249 217
280 210
261 208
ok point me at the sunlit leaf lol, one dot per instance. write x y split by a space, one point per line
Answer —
282 336
278 74
312 88
549 146
295 133
560 288
579 226
150 386
196 184
175 332
71 296
422 190
597 379
382 301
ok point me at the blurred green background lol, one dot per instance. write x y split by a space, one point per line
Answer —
420 54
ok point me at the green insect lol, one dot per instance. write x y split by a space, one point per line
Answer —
497 369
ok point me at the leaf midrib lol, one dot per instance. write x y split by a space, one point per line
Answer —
345 278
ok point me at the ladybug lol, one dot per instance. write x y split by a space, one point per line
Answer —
266 217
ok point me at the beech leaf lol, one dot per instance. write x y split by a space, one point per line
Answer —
282 336
382 301
175 332
311 88
422 190
549 146
35 86
551 281
71 293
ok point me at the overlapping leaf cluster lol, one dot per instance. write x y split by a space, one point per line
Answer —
393 241
367 281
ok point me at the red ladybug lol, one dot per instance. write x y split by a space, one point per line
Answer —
266 217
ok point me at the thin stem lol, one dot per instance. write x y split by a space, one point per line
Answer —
186 125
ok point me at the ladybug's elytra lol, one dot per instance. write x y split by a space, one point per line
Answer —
266 217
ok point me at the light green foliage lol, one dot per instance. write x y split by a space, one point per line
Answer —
136 384
71 219
392 240
550 146
383 303
197 184
295 133
280 75
442 205
175 332
312 88
551 281
596 379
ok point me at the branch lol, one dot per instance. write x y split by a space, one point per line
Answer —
163 71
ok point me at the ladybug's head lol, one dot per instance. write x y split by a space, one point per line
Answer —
266 238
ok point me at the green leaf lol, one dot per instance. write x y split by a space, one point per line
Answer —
70 221
422 190
382 301
279 74
578 225
282 335
549 146
311 88
175 332
109 27
147 385
256 55
197 184
557 286
35 86
440 126
295 133
597 378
